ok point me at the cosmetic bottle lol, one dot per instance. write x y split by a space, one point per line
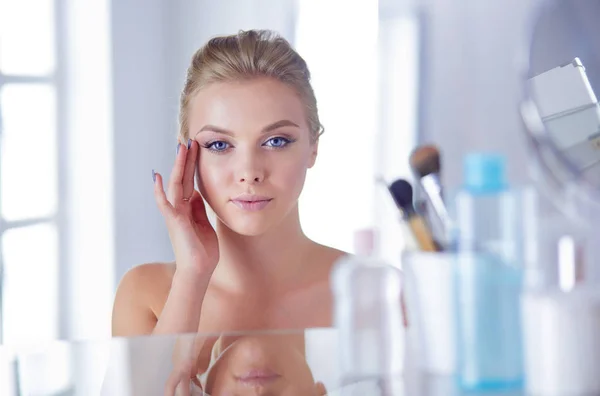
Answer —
368 318
488 276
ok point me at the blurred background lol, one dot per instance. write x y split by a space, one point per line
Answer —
89 100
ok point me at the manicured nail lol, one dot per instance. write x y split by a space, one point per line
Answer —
153 176
177 150
189 143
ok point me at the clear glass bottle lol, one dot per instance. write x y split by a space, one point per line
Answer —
368 317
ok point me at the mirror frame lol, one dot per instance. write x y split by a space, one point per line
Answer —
553 172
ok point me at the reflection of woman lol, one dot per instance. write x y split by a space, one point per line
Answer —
265 364
249 131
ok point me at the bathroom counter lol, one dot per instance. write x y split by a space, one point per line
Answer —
142 365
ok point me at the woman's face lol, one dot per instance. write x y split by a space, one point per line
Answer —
261 365
255 148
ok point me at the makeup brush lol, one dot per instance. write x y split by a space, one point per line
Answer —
402 193
425 164
410 243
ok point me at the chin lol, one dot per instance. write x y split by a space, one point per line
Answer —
249 228
253 225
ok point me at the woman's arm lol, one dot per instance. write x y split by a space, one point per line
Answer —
181 313
132 314
194 243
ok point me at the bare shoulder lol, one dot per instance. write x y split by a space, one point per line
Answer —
140 296
329 253
148 274
327 256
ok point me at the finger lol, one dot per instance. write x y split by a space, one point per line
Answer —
159 194
190 168
178 383
198 208
176 179
198 176
172 382
183 389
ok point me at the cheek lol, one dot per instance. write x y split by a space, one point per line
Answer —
290 171
294 173
213 176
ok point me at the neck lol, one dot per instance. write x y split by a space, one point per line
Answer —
276 257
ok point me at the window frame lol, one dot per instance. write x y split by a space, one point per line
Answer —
55 80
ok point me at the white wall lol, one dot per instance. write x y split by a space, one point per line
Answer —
568 30
143 131
192 22
474 61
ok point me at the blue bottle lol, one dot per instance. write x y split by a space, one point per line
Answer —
488 278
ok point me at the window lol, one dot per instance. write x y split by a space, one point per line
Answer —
343 65
29 177
365 73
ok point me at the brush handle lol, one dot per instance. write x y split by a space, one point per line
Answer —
422 234
410 242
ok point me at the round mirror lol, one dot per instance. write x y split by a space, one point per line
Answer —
563 84
562 117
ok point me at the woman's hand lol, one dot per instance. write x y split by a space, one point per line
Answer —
180 379
192 236
183 378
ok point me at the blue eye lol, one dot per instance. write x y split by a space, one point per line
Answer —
218 145
277 142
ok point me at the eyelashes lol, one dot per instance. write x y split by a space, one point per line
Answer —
277 142
217 145
222 146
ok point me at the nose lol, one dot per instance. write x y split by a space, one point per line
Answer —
251 171
250 179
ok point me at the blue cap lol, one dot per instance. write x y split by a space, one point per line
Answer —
484 173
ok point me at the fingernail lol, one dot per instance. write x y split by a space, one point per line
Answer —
153 176
189 143
177 150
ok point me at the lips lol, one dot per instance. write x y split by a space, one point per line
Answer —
258 377
250 202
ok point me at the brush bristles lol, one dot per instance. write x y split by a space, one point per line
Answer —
402 193
425 160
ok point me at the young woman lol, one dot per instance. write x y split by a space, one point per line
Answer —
249 131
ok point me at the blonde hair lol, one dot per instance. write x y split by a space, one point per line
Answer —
243 56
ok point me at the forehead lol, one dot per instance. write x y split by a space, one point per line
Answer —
245 105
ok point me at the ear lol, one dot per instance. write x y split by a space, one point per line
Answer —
314 149
320 389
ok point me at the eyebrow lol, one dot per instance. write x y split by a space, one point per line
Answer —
267 129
